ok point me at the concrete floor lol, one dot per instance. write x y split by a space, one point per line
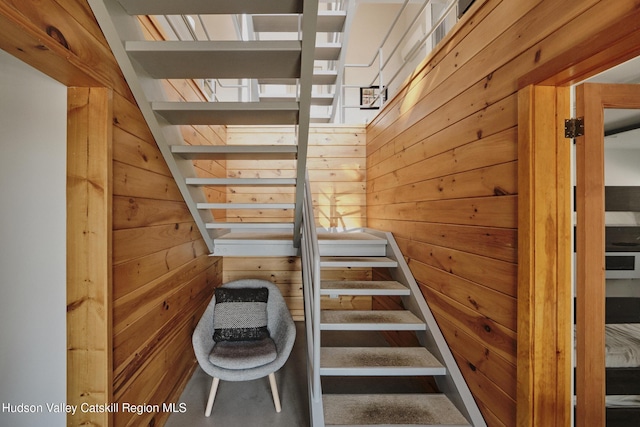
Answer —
249 403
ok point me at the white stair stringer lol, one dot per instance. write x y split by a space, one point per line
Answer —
452 385
332 27
118 27
453 405
146 63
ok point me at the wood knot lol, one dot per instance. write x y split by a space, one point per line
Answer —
487 328
538 55
57 35
498 191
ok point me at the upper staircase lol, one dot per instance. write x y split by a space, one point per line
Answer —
283 60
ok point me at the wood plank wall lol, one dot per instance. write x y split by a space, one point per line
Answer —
442 164
336 164
162 274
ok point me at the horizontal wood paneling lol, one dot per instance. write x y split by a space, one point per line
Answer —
336 164
162 275
286 273
442 169
62 40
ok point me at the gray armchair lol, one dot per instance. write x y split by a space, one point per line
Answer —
246 360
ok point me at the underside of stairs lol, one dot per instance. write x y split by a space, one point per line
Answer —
282 50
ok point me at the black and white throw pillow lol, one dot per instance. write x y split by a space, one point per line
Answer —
240 314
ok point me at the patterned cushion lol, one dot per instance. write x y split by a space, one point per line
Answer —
240 314
243 354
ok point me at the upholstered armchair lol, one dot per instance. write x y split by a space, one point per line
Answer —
244 349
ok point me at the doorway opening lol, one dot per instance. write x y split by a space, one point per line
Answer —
607 241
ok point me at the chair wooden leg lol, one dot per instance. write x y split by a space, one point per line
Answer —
212 396
274 391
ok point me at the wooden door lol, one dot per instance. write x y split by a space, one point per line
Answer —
591 100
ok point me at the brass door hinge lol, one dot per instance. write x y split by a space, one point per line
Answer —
574 128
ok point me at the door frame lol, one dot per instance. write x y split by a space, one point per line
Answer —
545 313
544 255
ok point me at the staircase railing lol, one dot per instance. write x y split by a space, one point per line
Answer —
311 287
383 61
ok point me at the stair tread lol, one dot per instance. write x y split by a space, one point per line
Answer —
199 7
391 409
320 119
324 99
349 238
375 320
246 205
320 77
256 242
242 181
235 152
328 22
355 261
219 59
228 113
363 287
250 225
328 51
243 237
354 358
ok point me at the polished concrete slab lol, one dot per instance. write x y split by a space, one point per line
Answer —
249 403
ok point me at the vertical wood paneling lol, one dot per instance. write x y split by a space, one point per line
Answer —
442 162
89 279
163 275
544 289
